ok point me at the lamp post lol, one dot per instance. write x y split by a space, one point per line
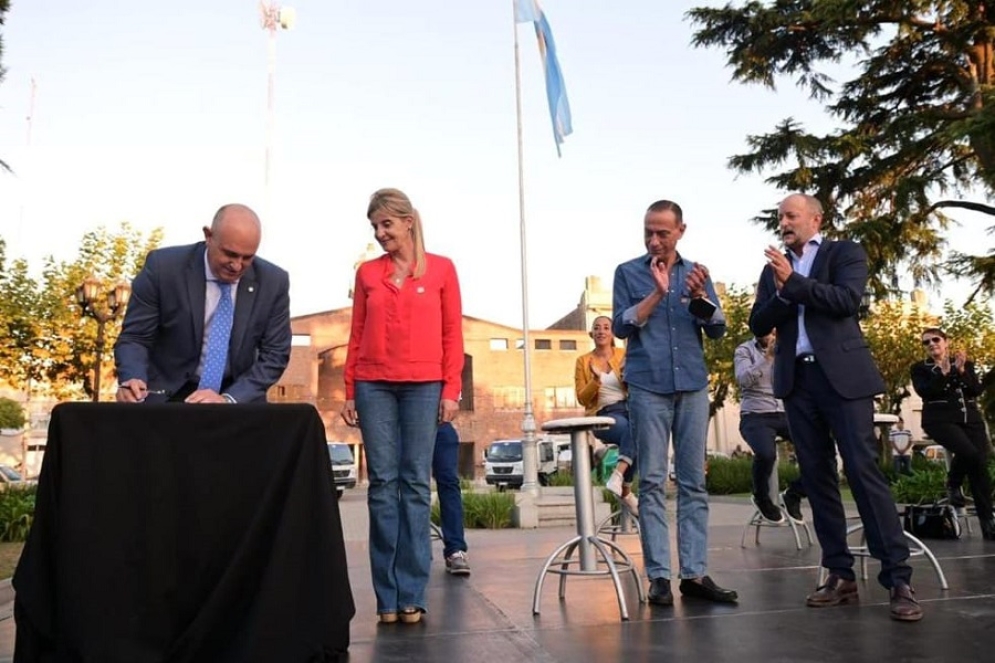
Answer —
87 296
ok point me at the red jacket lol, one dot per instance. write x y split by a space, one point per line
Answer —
408 334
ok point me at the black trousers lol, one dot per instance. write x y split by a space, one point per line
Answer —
817 415
969 445
760 430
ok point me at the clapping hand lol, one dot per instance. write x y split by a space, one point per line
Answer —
779 264
960 360
661 274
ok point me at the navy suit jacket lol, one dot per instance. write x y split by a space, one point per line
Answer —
831 295
163 329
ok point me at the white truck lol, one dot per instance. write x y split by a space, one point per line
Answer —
503 460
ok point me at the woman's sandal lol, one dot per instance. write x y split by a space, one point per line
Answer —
411 615
388 617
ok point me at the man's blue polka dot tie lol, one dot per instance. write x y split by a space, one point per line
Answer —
217 341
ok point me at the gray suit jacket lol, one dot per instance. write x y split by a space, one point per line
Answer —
831 295
163 329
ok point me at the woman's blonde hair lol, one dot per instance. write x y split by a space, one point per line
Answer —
396 203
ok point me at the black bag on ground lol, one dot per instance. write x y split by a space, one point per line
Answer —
931 521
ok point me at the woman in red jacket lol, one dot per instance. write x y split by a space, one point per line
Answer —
402 378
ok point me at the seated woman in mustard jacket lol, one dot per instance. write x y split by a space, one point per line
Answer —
598 381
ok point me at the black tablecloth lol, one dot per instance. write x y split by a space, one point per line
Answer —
200 533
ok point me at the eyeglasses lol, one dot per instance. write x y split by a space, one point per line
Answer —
927 341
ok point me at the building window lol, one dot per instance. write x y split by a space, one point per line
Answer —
568 345
509 398
544 344
560 398
499 344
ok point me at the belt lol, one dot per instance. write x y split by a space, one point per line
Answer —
807 358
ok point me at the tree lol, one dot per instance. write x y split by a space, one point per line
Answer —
736 305
972 328
19 324
893 332
54 347
916 122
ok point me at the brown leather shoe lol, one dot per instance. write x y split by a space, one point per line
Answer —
836 591
904 606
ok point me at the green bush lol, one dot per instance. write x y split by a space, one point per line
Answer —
488 510
927 484
483 510
17 511
561 479
727 476
11 414
732 476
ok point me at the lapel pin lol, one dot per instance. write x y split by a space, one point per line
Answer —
251 289
420 290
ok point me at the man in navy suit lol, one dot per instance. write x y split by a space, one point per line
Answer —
160 354
824 373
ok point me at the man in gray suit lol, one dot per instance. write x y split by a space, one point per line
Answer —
825 374
167 348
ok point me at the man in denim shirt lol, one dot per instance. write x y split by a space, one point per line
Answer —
662 303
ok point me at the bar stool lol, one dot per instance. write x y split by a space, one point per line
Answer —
916 548
758 521
620 523
596 556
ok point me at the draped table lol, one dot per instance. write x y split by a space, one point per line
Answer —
180 533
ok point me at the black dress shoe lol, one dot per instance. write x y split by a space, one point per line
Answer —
705 588
955 497
660 593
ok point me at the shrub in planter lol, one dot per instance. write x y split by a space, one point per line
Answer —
923 485
11 414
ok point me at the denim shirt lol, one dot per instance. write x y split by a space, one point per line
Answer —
664 355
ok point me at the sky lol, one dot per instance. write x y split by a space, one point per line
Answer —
156 114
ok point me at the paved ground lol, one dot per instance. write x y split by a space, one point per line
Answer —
488 616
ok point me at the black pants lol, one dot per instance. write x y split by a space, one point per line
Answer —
760 430
969 445
817 415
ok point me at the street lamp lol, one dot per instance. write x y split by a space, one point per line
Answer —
87 296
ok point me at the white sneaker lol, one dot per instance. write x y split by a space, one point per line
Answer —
632 502
614 483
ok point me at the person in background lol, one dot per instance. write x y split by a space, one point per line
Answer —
826 377
445 469
901 447
207 322
949 388
663 304
402 379
599 386
762 420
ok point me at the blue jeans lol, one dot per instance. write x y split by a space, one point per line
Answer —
445 469
398 421
619 434
653 417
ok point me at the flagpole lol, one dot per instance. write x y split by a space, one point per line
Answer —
530 460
